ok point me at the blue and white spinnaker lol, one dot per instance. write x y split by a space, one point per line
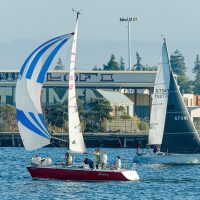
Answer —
32 126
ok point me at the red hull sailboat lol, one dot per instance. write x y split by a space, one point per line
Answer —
82 174
31 122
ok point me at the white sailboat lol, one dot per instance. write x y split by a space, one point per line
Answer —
31 123
171 128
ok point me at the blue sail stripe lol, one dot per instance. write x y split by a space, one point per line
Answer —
28 124
26 61
42 120
47 63
38 123
37 57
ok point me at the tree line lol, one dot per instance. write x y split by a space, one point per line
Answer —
93 119
98 110
178 65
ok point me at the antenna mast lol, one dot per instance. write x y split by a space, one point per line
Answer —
77 13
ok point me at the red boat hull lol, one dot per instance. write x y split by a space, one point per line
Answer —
81 174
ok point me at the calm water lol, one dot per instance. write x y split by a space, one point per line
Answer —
157 181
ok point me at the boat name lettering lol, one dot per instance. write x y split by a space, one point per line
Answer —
103 174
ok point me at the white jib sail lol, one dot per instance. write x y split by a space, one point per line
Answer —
76 142
30 120
160 99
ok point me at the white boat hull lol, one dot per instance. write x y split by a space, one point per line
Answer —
168 159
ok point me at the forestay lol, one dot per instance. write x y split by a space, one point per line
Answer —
31 122
160 99
76 142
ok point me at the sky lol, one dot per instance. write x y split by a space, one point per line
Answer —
25 24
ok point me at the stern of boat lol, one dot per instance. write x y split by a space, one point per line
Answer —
131 175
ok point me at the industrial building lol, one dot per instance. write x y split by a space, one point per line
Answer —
136 85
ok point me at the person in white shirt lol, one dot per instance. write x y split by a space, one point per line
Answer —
104 160
118 163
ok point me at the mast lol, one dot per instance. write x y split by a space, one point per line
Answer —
76 142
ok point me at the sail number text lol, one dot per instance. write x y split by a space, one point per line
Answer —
180 117
161 93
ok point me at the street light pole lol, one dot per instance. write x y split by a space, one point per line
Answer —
129 19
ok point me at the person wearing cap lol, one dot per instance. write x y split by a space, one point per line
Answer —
97 158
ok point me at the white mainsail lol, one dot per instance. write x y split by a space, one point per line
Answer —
76 142
160 99
31 122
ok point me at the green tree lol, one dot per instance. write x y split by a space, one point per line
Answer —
196 68
197 84
112 64
185 84
138 65
8 118
96 68
59 65
56 114
101 107
99 111
122 64
178 66
178 63
150 68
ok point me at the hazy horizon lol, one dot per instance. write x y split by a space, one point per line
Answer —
25 24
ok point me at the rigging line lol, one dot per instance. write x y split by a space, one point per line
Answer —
77 126
57 144
196 149
56 138
53 143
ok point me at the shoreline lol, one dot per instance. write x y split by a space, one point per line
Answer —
92 140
